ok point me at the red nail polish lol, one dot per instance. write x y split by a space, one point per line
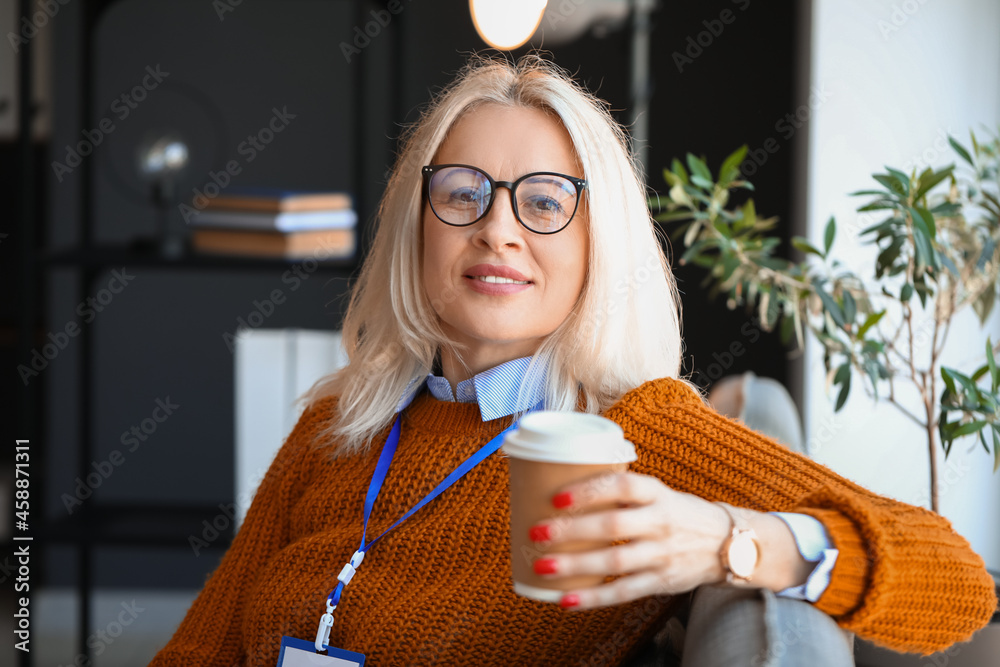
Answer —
562 500
545 566
569 601
540 533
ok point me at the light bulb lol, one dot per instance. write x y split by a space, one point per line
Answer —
506 24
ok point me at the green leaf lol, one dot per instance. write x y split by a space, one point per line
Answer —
901 178
867 193
703 183
996 449
850 308
828 235
843 372
729 264
991 362
967 384
698 169
731 166
674 216
806 247
696 248
845 388
671 178
705 263
872 347
948 264
944 430
946 209
830 305
880 205
678 168
787 329
964 154
871 368
749 218
967 428
870 321
925 252
897 188
883 228
980 372
922 291
889 255
929 180
721 226
926 220
983 306
949 383
906 292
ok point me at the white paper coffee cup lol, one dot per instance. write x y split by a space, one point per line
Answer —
548 451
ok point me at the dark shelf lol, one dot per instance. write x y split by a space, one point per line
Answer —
112 255
138 525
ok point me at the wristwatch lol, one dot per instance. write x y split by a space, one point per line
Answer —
740 551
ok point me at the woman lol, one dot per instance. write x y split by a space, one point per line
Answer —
515 264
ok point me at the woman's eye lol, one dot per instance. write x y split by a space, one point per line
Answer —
465 196
545 204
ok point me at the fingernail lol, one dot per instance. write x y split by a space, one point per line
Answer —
545 566
540 533
562 500
569 601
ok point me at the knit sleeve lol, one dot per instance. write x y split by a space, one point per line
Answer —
903 579
210 634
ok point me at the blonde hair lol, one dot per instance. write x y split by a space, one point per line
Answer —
625 327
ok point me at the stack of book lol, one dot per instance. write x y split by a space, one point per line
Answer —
264 222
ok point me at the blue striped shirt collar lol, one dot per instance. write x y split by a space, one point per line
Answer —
496 390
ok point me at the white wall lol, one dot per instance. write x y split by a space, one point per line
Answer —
900 76
273 368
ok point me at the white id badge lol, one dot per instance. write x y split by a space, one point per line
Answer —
302 653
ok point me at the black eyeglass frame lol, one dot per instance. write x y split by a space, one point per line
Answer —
429 170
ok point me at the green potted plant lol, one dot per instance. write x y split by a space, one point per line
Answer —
938 239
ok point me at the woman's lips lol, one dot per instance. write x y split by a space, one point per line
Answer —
499 289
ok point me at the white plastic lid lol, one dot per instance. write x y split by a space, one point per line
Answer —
568 437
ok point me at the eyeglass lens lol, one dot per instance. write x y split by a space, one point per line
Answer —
544 202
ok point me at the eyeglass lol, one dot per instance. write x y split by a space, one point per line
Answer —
544 202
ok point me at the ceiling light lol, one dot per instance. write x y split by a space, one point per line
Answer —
506 24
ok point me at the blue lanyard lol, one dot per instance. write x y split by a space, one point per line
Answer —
381 470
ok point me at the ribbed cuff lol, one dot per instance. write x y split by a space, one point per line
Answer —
851 572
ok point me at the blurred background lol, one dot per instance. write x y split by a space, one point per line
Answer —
150 420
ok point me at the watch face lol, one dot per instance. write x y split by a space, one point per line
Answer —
742 555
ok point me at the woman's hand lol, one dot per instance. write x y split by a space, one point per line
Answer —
674 539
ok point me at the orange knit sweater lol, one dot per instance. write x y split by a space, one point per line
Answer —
437 589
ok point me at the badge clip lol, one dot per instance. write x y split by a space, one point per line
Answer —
326 620
323 632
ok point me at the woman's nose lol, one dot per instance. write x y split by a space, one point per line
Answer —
500 228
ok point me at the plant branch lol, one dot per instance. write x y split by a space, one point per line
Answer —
901 408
